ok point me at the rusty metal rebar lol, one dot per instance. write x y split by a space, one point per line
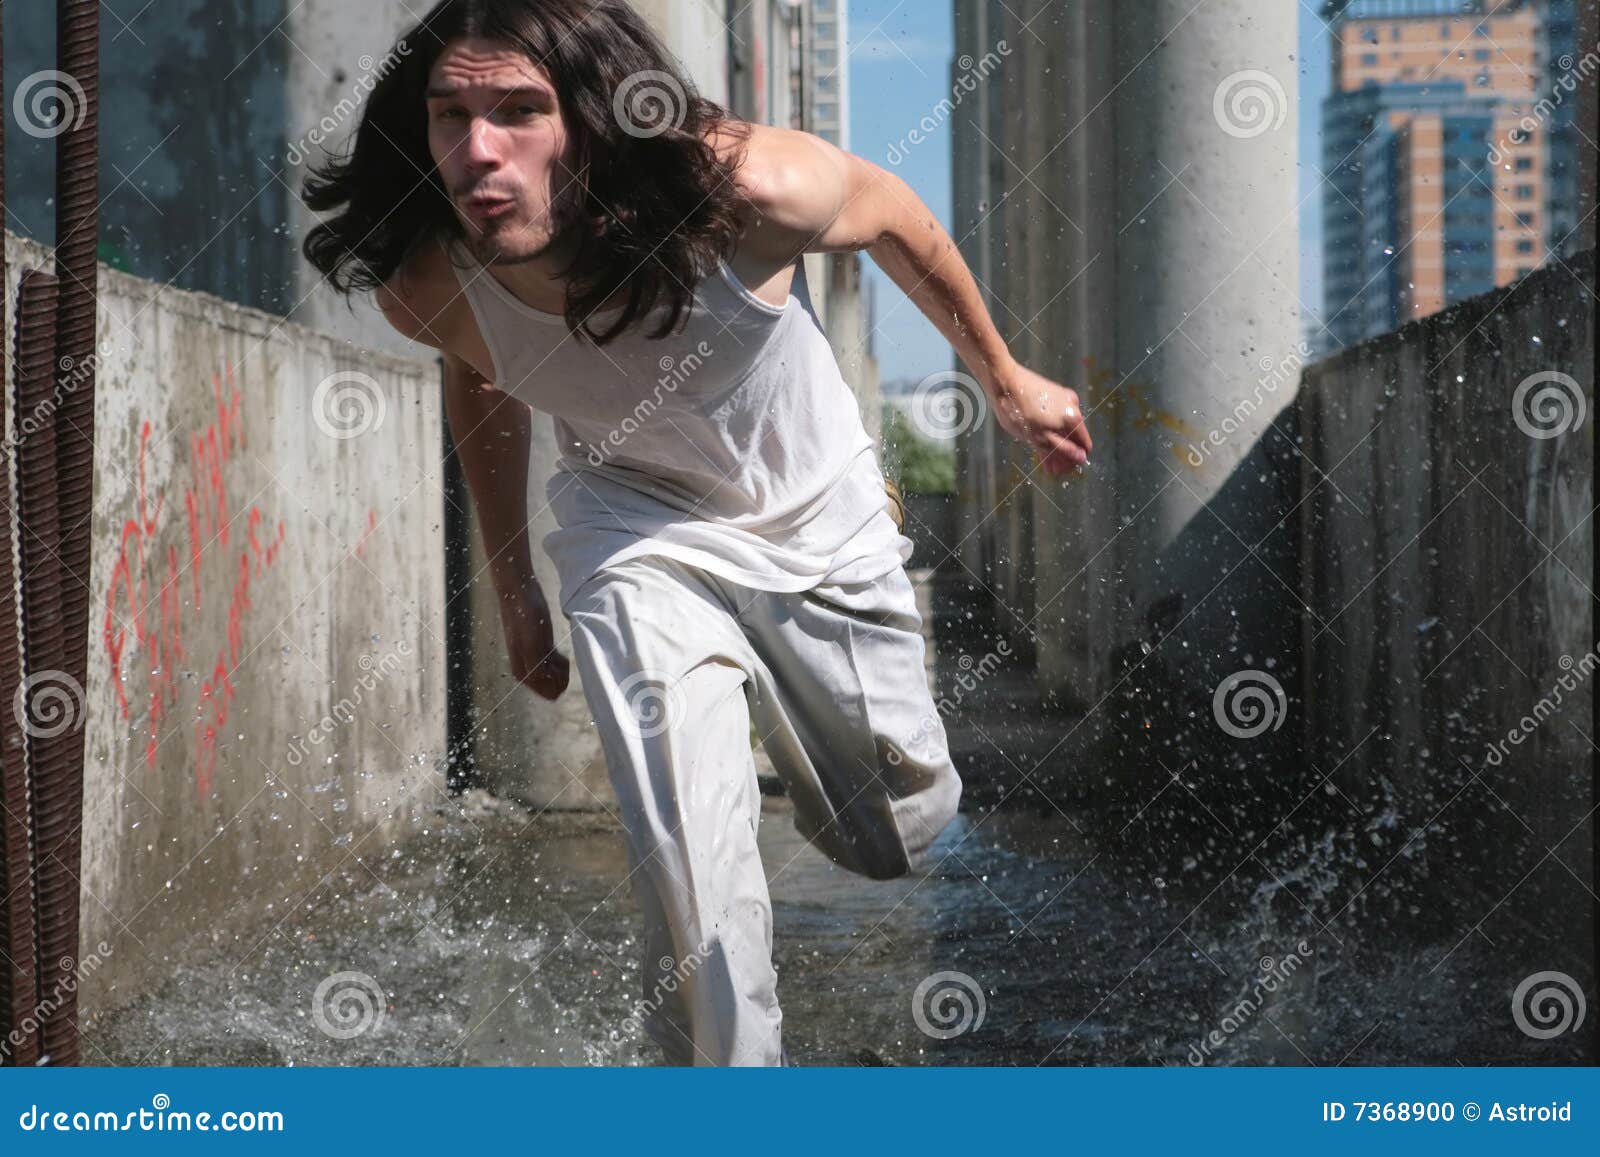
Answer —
19 968
38 541
59 796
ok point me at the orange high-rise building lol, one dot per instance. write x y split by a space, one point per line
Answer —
1438 192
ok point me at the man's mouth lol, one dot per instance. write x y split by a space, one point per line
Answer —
488 208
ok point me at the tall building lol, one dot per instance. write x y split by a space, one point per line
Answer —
830 87
1437 191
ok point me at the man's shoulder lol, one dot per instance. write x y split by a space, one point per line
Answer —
415 299
783 175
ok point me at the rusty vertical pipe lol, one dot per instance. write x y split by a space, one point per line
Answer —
19 1035
60 832
38 708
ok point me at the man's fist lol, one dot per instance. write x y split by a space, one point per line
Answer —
531 644
1047 416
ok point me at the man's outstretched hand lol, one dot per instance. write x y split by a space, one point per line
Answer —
1046 415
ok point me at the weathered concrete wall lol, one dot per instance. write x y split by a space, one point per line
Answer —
1447 562
266 696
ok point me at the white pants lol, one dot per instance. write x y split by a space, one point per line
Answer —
676 664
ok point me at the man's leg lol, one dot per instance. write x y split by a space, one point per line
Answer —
843 708
664 667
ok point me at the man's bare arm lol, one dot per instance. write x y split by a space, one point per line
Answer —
813 197
493 436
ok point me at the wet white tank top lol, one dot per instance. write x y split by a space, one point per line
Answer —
734 445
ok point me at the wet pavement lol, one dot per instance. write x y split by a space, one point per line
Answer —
1035 933
503 938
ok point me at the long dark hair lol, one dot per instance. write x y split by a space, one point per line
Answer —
657 207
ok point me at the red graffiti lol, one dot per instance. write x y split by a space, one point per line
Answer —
372 527
208 526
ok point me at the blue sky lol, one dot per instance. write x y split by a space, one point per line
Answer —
900 52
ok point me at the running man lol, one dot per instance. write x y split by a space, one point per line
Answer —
536 191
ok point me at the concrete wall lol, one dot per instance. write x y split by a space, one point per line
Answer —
266 695
1448 562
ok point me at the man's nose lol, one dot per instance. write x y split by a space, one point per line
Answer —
483 146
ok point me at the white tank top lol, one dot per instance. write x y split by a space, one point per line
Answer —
734 445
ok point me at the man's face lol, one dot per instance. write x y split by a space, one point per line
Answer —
500 145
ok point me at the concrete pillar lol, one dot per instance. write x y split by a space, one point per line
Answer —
1169 299
974 228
